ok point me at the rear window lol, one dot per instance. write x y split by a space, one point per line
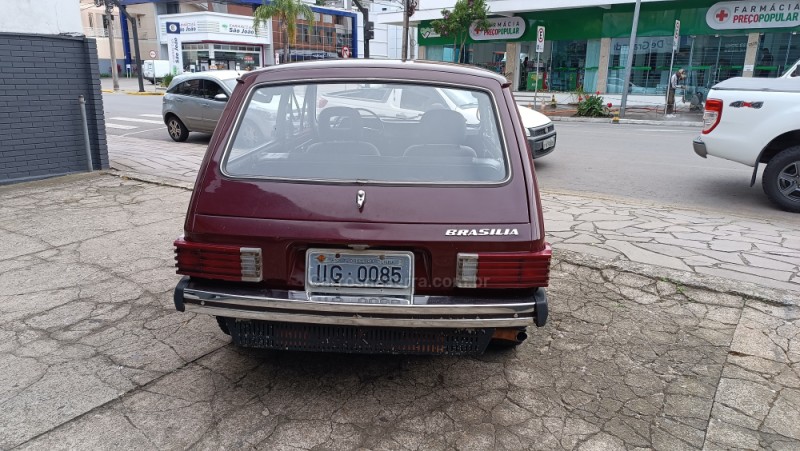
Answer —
368 133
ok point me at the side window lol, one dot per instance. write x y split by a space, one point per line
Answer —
211 89
187 88
191 88
420 100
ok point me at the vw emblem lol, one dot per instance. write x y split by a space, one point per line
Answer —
361 197
173 28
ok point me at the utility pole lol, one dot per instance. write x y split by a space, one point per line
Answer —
406 14
368 29
629 64
109 19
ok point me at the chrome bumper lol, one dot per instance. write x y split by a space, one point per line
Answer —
700 147
420 312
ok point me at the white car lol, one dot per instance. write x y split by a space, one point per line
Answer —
403 102
753 121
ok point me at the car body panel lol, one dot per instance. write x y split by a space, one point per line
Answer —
744 131
198 113
435 223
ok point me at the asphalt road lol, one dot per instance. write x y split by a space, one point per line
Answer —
652 164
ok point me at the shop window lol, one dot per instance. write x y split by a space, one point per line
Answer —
777 52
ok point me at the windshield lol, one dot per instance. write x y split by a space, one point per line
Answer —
230 83
368 133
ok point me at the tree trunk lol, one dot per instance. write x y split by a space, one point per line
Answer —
286 45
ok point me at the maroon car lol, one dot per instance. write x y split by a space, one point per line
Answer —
384 222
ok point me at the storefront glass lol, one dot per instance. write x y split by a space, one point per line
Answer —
201 57
777 52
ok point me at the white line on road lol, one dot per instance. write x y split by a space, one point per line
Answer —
151 115
121 127
133 119
141 131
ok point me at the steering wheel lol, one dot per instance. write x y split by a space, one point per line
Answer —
377 130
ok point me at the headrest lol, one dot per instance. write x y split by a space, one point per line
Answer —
443 127
339 123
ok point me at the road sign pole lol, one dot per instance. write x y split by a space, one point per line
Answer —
539 49
675 40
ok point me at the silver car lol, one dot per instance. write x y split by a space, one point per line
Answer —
194 102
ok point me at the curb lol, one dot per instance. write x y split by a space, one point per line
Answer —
602 120
133 93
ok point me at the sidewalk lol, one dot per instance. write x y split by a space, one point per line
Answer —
130 86
634 356
645 115
750 252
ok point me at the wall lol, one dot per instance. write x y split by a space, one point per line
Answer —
41 132
41 16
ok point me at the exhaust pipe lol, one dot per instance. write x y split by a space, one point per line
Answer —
511 335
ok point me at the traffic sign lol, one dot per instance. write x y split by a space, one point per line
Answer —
152 53
345 52
676 38
539 39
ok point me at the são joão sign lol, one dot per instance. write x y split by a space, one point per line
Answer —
754 14
501 28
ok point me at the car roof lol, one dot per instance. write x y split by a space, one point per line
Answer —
456 69
210 74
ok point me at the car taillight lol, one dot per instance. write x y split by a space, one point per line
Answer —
218 261
712 115
504 270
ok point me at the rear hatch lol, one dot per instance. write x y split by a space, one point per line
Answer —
325 177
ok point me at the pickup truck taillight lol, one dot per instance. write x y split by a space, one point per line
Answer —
504 270
712 115
218 261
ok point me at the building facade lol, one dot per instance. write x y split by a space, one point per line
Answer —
587 42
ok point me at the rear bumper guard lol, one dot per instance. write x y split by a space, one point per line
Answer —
419 312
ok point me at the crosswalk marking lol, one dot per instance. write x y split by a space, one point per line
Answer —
133 119
151 115
121 127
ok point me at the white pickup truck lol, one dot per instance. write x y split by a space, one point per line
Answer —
753 121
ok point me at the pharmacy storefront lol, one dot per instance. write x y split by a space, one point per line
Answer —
211 41
587 49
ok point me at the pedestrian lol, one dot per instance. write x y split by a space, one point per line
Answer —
673 85
766 63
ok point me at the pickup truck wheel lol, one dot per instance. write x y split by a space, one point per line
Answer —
781 179
177 131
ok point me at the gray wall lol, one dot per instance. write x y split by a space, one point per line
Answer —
41 133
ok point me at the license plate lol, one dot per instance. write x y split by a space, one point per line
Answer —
359 272
549 142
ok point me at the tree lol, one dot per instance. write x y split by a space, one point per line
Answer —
456 23
287 12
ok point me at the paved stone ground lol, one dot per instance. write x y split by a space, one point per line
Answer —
94 356
742 249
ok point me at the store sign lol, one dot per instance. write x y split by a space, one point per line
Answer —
188 27
754 14
500 28
175 48
239 29
428 32
643 45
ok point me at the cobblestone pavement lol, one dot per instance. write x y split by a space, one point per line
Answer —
742 249
93 355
